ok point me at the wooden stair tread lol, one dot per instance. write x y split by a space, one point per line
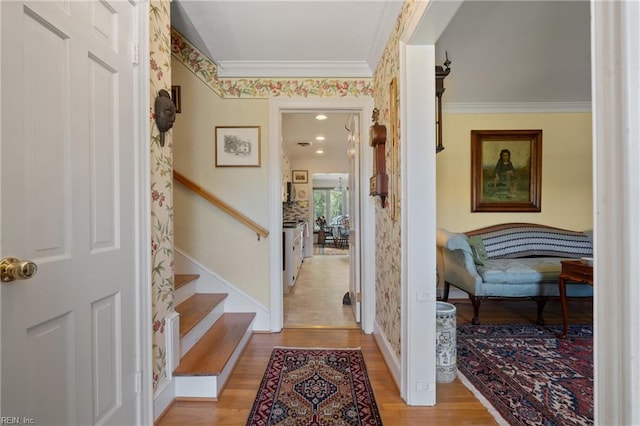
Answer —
180 280
195 308
212 352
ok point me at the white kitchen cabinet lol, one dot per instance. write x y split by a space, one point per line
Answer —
293 254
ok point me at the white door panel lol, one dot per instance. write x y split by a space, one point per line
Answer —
67 174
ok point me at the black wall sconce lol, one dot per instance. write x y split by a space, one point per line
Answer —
441 73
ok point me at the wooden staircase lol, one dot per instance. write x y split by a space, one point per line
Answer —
211 340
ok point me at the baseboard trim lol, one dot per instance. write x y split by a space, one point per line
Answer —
163 399
387 353
158 419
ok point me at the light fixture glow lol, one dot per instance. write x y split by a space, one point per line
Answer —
319 151
321 117
319 138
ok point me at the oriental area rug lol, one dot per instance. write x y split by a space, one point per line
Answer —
528 375
309 386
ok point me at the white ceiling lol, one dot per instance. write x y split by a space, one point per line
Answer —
267 38
502 52
518 52
303 128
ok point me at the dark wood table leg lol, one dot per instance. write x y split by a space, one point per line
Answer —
562 286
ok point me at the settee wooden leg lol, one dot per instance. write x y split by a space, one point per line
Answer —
445 291
541 301
475 301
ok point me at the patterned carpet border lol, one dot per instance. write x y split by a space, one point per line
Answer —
527 374
315 387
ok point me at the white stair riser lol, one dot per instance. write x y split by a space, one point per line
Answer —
196 386
184 292
192 337
210 386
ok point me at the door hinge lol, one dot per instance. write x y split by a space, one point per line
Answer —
359 297
138 382
135 54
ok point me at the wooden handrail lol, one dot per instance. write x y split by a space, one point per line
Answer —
221 205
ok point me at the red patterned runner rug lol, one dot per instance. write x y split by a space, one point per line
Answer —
308 386
527 374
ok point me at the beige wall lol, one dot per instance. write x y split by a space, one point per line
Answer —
566 170
203 231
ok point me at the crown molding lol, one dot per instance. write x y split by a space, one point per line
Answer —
349 69
387 20
515 107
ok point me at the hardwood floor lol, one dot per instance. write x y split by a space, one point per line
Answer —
456 405
316 298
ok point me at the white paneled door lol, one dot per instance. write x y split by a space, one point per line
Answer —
67 172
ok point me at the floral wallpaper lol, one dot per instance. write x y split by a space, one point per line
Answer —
388 231
161 188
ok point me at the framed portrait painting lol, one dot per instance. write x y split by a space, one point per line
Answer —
506 168
238 146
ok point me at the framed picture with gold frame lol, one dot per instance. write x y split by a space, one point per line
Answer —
506 170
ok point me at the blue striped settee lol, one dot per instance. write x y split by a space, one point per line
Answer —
511 260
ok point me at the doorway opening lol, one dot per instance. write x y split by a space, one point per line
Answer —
362 262
320 294
317 212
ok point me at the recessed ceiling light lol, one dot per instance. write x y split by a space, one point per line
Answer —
319 138
319 151
321 117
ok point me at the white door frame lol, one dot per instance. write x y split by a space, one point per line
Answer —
277 106
143 213
616 155
418 203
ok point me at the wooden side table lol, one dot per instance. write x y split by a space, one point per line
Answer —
575 271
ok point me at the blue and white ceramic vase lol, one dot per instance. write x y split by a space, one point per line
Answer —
446 353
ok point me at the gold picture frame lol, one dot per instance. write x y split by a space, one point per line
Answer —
506 170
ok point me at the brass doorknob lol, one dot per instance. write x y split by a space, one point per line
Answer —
12 269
